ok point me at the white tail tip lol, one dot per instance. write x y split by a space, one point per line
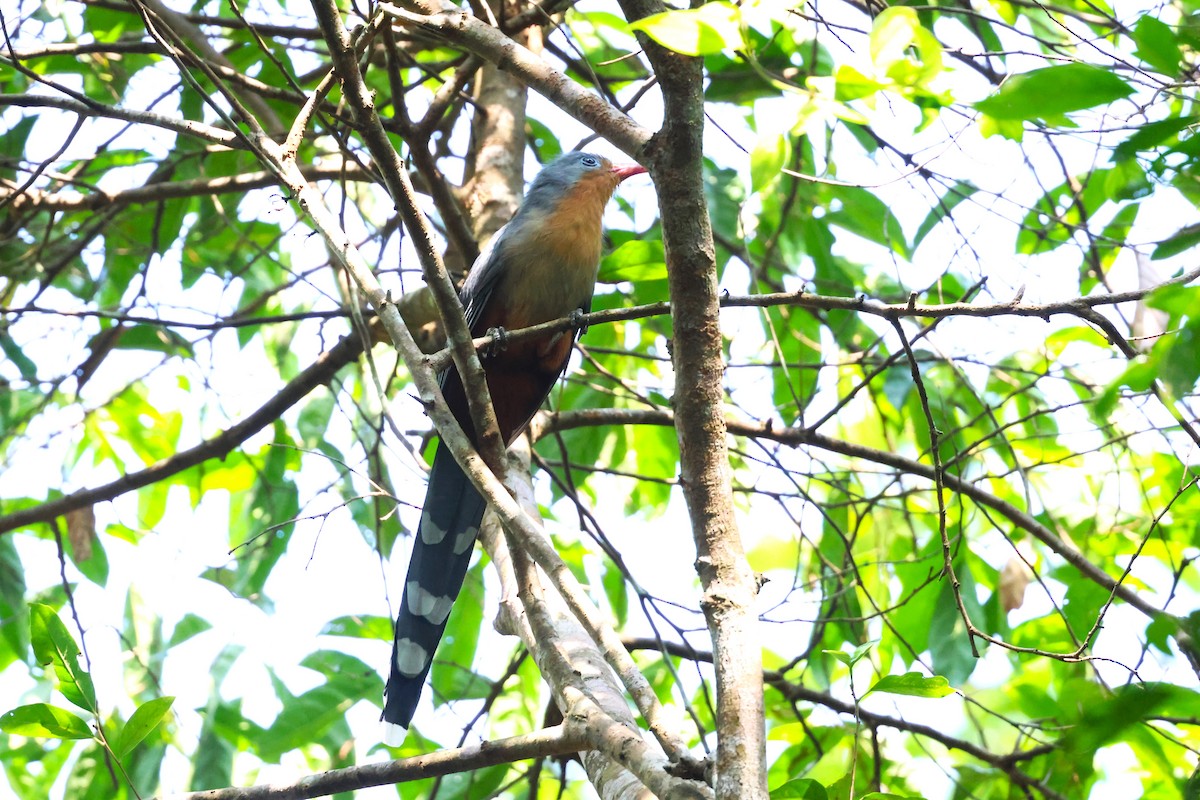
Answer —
393 734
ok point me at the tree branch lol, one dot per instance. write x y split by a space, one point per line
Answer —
157 192
185 127
559 740
730 589
475 36
797 437
400 188
573 663
321 372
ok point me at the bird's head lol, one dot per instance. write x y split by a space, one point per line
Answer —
578 175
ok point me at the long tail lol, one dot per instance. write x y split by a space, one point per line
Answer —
441 553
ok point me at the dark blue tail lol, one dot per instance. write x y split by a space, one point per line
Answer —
441 553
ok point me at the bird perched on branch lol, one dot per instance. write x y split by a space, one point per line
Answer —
539 267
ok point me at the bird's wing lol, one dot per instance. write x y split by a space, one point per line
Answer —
485 273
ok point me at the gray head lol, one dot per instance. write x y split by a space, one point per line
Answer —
566 172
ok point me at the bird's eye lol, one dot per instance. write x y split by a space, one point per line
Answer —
590 161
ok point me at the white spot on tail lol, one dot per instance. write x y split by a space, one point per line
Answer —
411 658
464 540
425 604
430 532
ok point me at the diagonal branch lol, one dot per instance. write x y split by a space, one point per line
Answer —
387 160
318 374
476 36
798 437
572 661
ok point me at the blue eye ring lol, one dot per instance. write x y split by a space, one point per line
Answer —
591 162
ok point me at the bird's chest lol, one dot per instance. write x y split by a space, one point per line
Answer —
559 275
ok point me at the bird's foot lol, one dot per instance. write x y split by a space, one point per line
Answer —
576 320
498 344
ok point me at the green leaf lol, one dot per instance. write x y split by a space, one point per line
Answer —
360 626
770 155
655 450
1127 181
464 684
1050 92
1179 365
851 84
856 655
865 215
11 349
1152 135
946 204
44 721
156 339
796 336
212 760
12 144
1107 721
1178 301
1083 601
13 626
616 590
1138 377
52 644
949 648
91 779
1008 128
307 717
144 719
913 684
87 553
839 655
894 34
713 27
803 788
314 419
473 784
636 260
1157 45
724 195
1115 233
187 627
1183 239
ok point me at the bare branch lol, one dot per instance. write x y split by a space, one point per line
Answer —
155 192
186 127
559 740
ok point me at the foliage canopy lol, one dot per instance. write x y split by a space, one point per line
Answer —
954 247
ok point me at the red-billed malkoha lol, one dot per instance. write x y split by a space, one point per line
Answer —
541 266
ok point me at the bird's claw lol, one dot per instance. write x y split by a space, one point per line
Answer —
499 341
576 320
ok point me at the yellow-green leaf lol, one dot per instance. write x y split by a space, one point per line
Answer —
144 719
44 721
913 684
709 29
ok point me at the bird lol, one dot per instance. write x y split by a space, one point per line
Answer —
541 266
